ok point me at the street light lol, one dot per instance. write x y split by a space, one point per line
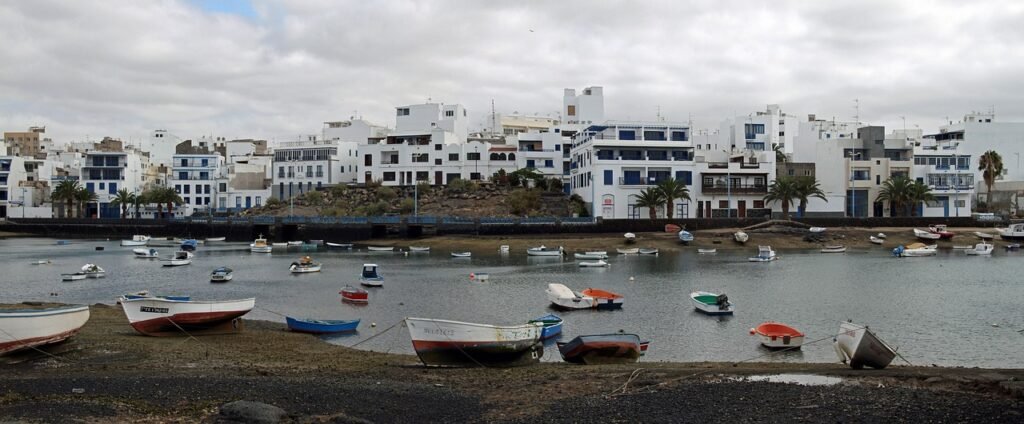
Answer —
23 203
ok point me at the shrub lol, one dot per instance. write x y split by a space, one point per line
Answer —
338 190
407 205
313 198
273 202
554 184
376 209
374 183
386 194
423 187
459 185
523 201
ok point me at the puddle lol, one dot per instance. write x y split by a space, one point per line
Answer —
801 379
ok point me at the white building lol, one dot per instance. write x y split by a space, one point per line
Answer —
947 170
25 187
979 133
733 183
761 130
349 136
194 177
305 166
161 147
246 184
104 173
429 116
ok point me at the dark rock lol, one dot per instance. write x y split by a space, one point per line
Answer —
244 411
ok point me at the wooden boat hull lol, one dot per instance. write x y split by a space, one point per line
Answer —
354 295
453 343
603 349
926 235
552 325
165 317
633 251
701 301
28 328
604 299
312 326
861 347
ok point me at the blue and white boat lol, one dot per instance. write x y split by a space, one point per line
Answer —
552 325
318 326
370 277
685 236
189 245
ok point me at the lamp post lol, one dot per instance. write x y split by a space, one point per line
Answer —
956 186
23 203
476 164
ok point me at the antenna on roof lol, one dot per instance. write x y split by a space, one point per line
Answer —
494 121
856 111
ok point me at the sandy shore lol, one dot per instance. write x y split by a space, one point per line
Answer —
109 373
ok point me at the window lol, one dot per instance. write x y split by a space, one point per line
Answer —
861 174
530 163
792 172
238 202
723 204
204 175
627 135
177 188
437 147
654 135
453 157
752 130
449 113
759 204
102 186
259 200
558 147
437 161
473 156
183 175
112 188
206 188
548 163
608 177
188 200
679 136
474 175
187 188
319 171
223 187
184 162
422 176
280 172
403 111
309 171
571 110
389 176
368 161
684 177
205 162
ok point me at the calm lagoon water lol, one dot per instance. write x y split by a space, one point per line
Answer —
949 310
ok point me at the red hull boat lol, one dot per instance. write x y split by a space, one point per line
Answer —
351 294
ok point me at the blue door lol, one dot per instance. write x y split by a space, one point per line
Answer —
248 202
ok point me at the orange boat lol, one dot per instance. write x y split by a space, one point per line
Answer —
604 299
672 228
777 335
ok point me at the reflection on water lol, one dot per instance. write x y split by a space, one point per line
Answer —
936 310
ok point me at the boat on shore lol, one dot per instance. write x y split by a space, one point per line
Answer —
137 240
295 243
340 245
880 235
712 303
73 276
617 348
145 253
915 250
1012 246
817 229
685 237
941 230
380 248
370 277
876 240
740 237
179 258
419 248
590 255
776 335
461 254
260 245
593 264
146 295
672 228
552 325
630 251
440 342
1014 232
157 316
29 326
980 249
764 254
321 326
215 239
545 251
303 265
93 271
221 275
648 251
281 244
351 294
985 236
926 235
630 238
833 249
858 346
707 251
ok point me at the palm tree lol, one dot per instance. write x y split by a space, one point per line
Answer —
153 196
65 192
807 187
84 197
782 190
780 156
652 199
670 190
137 201
896 191
991 165
919 192
123 198
172 198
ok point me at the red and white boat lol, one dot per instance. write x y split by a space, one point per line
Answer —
441 342
941 231
26 328
777 335
604 299
351 294
926 235
158 316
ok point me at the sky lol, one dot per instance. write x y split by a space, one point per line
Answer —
277 70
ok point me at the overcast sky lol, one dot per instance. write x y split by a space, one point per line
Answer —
279 69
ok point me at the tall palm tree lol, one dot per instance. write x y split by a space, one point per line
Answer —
919 192
123 198
172 198
652 199
84 197
671 189
137 201
991 165
782 190
896 191
806 188
153 195
65 192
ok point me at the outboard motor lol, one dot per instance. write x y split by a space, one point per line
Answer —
722 301
898 251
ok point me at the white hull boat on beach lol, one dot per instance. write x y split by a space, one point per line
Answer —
876 240
740 237
1014 232
340 245
858 346
160 316
984 236
630 238
707 251
380 248
419 248
30 326
648 251
462 254
926 235
633 251
440 342
833 249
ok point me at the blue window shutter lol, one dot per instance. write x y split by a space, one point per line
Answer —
548 163
90 187
608 177
687 177
530 164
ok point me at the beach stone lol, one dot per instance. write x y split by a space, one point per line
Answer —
244 411
1014 388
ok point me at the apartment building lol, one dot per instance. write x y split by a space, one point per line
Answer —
304 166
194 177
25 187
104 173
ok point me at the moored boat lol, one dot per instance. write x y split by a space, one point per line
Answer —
859 346
740 237
685 236
617 348
462 254
1012 246
351 294
41 262
648 251
926 235
880 235
221 275
984 236
776 335
875 240
260 245
980 249
712 303
30 326
440 342
707 251
93 271
915 250
592 264
179 258
480 276
321 326
1014 232
629 238
370 277
562 297
295 243
145 253
340 245
215 239
380 248
833 249
73 276
419 248
817 229
503 248
189 245
137 240
156 316
672 228
590 256
764 254
604 299
631 251
303 265
941 230
545 251
552 325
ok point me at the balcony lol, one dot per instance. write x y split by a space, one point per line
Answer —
642 181
735 189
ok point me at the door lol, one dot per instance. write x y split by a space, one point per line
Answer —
707 209
608 206
438 175
742 206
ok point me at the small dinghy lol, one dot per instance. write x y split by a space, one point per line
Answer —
859 346
593 264
776 335
685 237
712 303
617 348
221 275
545 251
1012 246
562 297
630 238
764 254
980 249
833 249
817 229
984 236
280 244
740 237
941 230
650 251
215 239
41 262
876 240
137 240
321 326
93 271
340 245
380 248
462 254
503 248
590 255
633 251
73 276
880 235
304 265
351 294
707 251
915 250
144 253
419 248
552 325
926 235
962 247
295 243
180 258
480 276
370 277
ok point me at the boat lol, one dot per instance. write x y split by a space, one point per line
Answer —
503 248
137 240
41 262
295 243
31 326
145 295
552 325
740 237
180 258
157 316
462 254
545 251
93 271
589 256
858 346
63 242
419 248
480 276
962 247
764 254
283 244
440 342
633 251
776 335
833 249
215 239
707 251
351 294
321 326
380 248
604 299
685 236
876 240
340 245
630 238
984 236
926 235
562 297
712 303
596 253
941 230
1014 232
617 348
593 264
817 229
189 245
221 275
1013 246
98 248
980 249
672 228
73 276
305 264
370 277
144 253
915 250
260 245
650 251
881 236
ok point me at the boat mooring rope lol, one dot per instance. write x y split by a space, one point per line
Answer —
402 321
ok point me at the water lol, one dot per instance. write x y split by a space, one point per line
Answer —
949 310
